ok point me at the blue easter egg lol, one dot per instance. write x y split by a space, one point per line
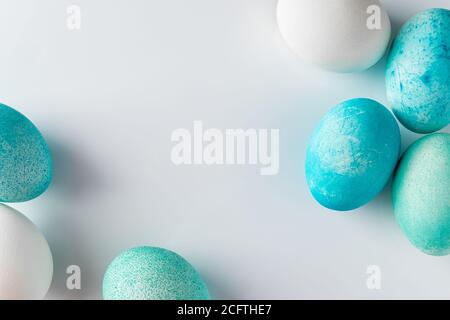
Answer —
418 72
352 154
149 273
421 194
25 161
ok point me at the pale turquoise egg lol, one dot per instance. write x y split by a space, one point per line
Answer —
351 154
150 273
418 72
421 194
25 161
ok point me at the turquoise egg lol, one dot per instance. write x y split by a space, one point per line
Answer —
418 72
421 194
25 161
149 273
352 154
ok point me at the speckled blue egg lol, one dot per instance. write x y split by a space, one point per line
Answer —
418 72
150 273
352 154
25 161
421 194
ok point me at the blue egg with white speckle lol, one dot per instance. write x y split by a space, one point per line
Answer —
421 194
25 161
418 72
151 273
352 154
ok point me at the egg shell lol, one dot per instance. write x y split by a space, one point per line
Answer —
26 264
418 72
341 36
25 161
352 154
150 273
421 194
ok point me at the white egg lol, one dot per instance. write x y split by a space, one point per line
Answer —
337 35
26 264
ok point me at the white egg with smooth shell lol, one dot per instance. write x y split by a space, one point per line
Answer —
336 35
26 264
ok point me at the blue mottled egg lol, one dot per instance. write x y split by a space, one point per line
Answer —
25 161
149 273
418 72
421 194
352 154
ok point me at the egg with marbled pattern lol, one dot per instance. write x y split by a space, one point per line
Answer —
150 273
418 72
351 154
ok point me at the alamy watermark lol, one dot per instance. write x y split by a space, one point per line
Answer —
73 281
227 147
374 280
73 21
374 19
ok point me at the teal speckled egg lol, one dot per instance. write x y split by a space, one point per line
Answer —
418 72
149 273
25 161
352 153
421 194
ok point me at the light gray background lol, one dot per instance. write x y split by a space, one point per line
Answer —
107 99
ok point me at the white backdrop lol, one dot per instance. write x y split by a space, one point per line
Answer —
107 98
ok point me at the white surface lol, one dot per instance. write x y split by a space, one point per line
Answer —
108 97
335 35
26 264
